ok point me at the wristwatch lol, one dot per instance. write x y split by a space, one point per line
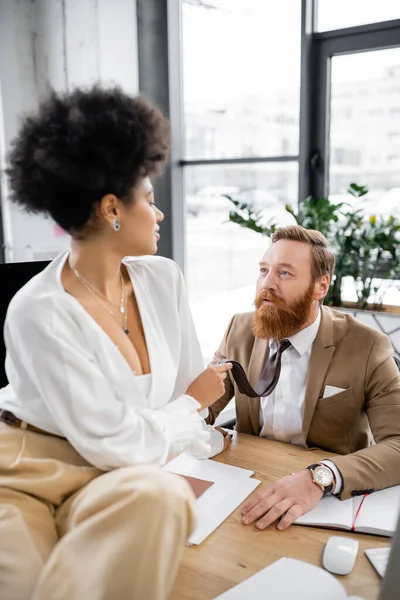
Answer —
322 476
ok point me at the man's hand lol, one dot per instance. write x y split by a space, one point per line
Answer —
291 496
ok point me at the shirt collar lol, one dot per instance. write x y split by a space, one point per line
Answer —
305 338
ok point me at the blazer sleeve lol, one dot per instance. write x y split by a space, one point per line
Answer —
107 430
377 466
221 353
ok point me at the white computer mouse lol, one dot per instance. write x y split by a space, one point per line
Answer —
340 555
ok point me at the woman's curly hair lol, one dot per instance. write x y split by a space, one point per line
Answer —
82 145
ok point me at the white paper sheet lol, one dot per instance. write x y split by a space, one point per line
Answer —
288 579
226 478
211 516
186 464
231 487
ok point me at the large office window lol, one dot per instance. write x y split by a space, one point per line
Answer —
365 127
365 136
337 14
358 122
241 83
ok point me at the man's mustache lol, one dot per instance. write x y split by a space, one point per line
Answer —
270 297
279 303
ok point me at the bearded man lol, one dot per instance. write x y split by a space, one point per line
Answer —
312 376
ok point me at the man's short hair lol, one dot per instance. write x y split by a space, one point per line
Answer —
323 261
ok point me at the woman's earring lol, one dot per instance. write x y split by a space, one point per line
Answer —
116 224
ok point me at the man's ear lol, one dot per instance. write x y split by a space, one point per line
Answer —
322 286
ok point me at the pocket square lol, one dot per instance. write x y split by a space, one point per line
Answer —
331 390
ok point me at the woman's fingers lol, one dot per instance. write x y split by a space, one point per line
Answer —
222 368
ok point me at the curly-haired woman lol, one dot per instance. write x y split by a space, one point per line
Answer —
105 370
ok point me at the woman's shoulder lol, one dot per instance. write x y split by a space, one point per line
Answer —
39 295
157 265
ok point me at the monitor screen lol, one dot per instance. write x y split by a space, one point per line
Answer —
13 276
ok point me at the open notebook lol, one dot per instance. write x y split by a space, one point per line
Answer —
288 579
220 490
375 513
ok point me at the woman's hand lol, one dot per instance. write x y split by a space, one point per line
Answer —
209 385
227 437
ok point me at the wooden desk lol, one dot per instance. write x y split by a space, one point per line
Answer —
234 552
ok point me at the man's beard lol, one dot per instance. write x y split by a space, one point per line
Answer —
281 320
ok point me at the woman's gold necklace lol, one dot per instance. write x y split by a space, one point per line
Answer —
123 305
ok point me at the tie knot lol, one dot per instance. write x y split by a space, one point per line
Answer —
283 345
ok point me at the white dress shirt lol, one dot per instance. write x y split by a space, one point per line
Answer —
67 376
281 412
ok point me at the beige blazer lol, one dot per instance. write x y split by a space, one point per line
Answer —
346 354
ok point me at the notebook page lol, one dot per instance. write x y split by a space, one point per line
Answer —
329 512
288 579
358 501
380 512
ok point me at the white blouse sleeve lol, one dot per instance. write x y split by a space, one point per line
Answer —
106 430
189 369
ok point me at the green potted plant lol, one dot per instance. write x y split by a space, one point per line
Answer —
368 250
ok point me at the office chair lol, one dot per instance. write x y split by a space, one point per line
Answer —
13 276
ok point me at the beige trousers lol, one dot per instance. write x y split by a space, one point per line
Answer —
71 532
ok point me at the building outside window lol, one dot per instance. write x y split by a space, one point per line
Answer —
241 103
241 86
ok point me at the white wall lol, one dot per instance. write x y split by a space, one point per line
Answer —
59 44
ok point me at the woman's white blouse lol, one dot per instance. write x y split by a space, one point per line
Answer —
67 376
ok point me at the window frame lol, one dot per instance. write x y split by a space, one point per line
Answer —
317 51
160 77
178 160
324 47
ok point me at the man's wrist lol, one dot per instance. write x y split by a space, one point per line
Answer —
338 477
322 476
313 484
333 473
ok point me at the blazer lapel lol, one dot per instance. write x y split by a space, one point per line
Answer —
256 364
321 356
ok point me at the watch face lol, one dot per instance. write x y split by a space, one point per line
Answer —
323 475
